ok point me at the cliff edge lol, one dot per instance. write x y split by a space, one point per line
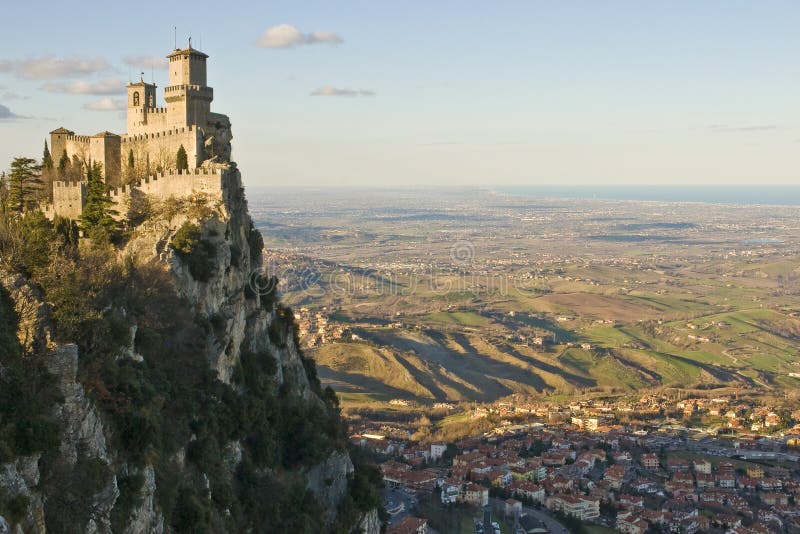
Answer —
174 397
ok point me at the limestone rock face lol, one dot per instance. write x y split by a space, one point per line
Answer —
233 293
328 480
146 519
371 523
235 301
79 420
81 428
20 478
34 328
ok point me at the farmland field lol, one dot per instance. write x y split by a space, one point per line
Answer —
477 295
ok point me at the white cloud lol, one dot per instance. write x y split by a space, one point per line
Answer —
105 104
101 87
288 36
8 115
53 68
146 62
339 91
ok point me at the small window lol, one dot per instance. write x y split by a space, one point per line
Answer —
136 98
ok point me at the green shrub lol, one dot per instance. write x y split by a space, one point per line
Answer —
197 253
236 256
71 490
27 393
13 507
191 514
256 242
130 497
219 325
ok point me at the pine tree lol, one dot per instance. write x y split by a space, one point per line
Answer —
24 182
47 159
131 167
181 160
97 220
63 164
3 194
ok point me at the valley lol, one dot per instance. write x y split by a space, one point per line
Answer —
471 296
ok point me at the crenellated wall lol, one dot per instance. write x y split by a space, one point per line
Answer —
69 198
103 148
160 148
174 184
77 145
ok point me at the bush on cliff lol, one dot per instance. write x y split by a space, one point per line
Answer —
27 393
197 253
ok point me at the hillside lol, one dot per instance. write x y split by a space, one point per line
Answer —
474 296
152 382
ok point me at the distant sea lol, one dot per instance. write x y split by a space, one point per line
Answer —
768 195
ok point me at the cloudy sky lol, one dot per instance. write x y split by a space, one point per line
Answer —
413 92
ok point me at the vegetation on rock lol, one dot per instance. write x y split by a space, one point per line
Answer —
226 457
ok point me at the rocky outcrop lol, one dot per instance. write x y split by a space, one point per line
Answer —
328 480
370 523
234 293
243 317
233 297
19 479
81 428
34 331
145 518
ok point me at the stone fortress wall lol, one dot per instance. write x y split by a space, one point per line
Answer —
161 147
152 118
103 148
69 198
175 184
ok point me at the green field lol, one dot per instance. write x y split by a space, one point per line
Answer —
556 298
458 318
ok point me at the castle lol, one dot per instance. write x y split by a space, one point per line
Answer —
145 158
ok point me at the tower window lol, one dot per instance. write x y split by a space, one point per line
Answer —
136 98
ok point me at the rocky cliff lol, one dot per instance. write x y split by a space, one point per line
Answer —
190 406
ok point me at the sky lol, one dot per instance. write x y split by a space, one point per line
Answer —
436 93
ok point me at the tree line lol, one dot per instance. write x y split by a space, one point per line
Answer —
28 185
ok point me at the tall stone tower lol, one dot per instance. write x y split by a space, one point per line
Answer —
188 97
141 104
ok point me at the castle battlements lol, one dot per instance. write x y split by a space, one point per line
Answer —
69 198
155 135
148 111
154 182
187 87
67 184
78 138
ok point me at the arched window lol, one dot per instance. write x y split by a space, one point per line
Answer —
151 101
136 98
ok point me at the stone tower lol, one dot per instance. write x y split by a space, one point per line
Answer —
141 104
188 97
